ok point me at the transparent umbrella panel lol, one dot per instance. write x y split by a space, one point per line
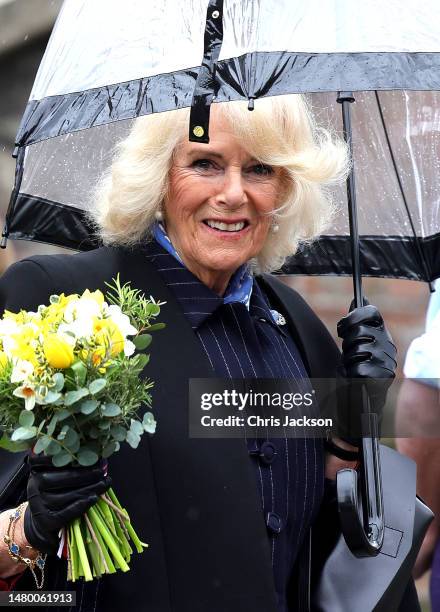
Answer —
396 141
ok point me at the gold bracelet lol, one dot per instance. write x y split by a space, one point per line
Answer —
14 548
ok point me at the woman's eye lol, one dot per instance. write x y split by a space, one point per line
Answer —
203 164
262 169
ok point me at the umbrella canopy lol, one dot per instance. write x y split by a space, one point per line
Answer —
108 62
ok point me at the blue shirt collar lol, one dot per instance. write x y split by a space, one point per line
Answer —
240 285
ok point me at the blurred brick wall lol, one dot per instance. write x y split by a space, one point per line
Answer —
402 304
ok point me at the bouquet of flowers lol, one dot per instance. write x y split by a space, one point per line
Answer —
70 388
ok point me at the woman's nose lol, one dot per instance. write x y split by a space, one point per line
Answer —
233 192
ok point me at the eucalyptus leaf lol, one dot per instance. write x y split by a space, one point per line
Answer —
142 342
109 449
41 444
133 439
51 397
94 432
153 310
136 427
72 397
103 425
97 385
149 422
87 457
23 433
40 426
58 379
61 459
63 414
63 432
72 445
156 327
52 424
89 406
26 418
111 410
118 432
53 448
142 360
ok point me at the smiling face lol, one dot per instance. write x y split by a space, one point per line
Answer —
218 204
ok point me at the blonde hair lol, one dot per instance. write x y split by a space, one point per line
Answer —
280 131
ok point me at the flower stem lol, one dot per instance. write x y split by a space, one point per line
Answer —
81 550
133 535
109 540
97 545
102 546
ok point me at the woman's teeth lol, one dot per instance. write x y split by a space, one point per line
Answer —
226 227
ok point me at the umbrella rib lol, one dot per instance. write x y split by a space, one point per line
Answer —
402 191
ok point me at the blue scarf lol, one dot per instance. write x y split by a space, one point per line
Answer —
240 286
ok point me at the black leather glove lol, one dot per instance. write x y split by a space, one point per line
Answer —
57 496
369 354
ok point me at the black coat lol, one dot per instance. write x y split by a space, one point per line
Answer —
194 501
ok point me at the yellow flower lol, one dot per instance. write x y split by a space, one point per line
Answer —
25 352
58 352
108 334
97 295
3 361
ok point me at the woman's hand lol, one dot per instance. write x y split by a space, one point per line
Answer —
368 353
57 496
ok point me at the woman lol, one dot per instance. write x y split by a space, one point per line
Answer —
228 523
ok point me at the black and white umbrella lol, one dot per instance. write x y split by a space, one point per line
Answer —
109 62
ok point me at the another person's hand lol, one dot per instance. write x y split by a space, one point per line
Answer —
57 496
368 353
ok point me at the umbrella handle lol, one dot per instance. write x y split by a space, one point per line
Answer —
360 501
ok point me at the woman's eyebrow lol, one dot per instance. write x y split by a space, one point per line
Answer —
199 152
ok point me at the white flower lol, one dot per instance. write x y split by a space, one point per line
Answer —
129 348
122 321
8 327
83 308
9 345
27 392
21 371
80 328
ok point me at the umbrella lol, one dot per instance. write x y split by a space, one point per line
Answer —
108 62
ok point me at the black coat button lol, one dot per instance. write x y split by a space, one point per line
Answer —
274 522
268 452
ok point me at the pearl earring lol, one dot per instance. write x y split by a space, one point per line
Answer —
158 215
274 228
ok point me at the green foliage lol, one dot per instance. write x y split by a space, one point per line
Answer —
97 385
133 303
142 342
26 418
87 457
